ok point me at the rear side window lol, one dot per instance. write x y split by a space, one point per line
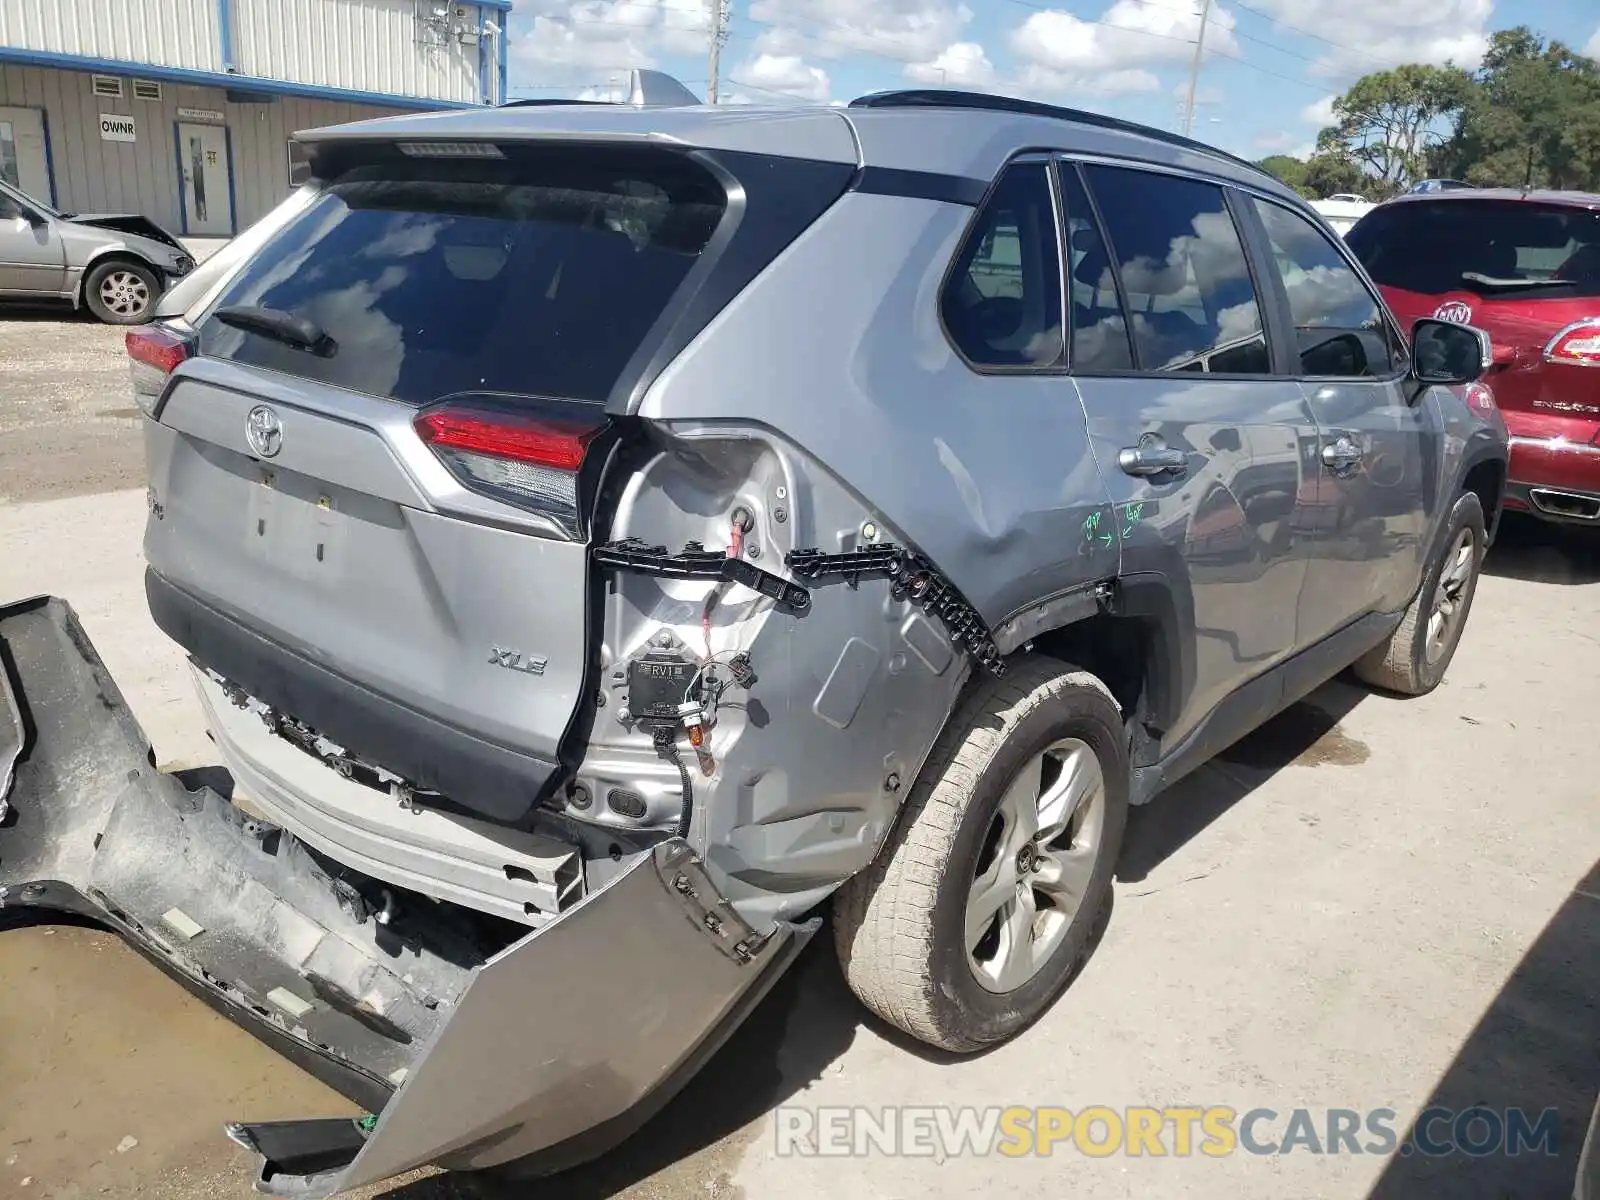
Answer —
536 275
1184 273
1340 328
1512 248
1099 326
1002 303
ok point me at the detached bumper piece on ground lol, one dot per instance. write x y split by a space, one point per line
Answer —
472 1042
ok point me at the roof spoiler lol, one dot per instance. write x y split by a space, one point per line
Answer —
646 89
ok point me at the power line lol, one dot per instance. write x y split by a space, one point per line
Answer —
1316 37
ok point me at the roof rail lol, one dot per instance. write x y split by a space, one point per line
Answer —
941 98
646 89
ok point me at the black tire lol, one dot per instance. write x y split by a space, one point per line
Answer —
1402 664
121 292
900 926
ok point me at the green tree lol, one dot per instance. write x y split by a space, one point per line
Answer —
1532 118
1330 172
1387 123
1290 170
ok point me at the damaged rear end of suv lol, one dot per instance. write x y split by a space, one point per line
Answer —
498 655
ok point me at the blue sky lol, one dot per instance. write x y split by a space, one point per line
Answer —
1269 71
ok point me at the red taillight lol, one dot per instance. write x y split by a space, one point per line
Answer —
153 354
1577 345
558 444
530 461
157 348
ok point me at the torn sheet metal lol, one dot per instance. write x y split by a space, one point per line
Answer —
550 1047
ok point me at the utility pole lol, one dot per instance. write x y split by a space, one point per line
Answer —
1194 67
719 34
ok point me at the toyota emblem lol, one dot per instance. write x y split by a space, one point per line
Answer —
1458 312
264 431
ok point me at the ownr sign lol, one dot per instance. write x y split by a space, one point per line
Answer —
115 127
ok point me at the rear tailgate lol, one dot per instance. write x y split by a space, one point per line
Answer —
382 532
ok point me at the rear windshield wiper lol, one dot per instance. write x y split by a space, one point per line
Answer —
1495 281
300 332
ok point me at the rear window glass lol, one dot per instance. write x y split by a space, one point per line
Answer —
536 275
1494 248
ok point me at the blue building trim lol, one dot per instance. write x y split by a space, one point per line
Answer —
501 5
49 156
183 198
505 42
233 184
225 33
218 79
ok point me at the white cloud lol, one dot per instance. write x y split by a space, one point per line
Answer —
786 73
1130 34
1372 35
1592 48
1319 113
908 30
570 41
963 64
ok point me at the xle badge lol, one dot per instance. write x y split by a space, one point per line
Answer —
514 660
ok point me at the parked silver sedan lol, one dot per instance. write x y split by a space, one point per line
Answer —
114 264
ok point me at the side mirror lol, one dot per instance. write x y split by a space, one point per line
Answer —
1445 352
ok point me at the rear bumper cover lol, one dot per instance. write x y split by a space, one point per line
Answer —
501 783
1554 478
551 1049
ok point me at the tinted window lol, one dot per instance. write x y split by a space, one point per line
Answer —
1516 249
1002 306
1183 271
537 275
1099 328
1339 326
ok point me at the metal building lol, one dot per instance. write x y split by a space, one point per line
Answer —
184 110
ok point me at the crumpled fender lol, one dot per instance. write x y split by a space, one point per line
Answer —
549 1051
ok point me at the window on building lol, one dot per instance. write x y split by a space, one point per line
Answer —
1339 326
1184 273
146 89
106 85
1002 305
1099 326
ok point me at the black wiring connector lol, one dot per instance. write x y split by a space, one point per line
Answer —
666 740
696 562
913 578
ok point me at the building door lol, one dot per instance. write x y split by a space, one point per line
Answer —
23 161
206 180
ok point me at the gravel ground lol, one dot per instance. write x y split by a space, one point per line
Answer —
1370 902
68 426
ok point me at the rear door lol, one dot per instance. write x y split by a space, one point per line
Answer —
1372 487
392 503
1522 270
1194 387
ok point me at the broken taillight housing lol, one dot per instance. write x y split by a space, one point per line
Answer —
528 460
1577 345
154 353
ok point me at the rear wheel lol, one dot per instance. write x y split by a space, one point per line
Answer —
1416 655
121 292
985 901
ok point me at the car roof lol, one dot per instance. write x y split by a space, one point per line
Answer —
971 135
1533 196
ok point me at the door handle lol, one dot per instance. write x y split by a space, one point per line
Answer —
1341 454
1152 456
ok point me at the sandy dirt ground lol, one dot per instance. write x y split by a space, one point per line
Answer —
1369 903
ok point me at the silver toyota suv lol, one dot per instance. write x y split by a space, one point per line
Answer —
611 538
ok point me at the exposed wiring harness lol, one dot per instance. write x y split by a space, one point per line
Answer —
667 746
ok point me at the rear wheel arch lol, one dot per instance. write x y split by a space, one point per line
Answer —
1487 479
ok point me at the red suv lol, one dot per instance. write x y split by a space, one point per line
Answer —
1524 267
